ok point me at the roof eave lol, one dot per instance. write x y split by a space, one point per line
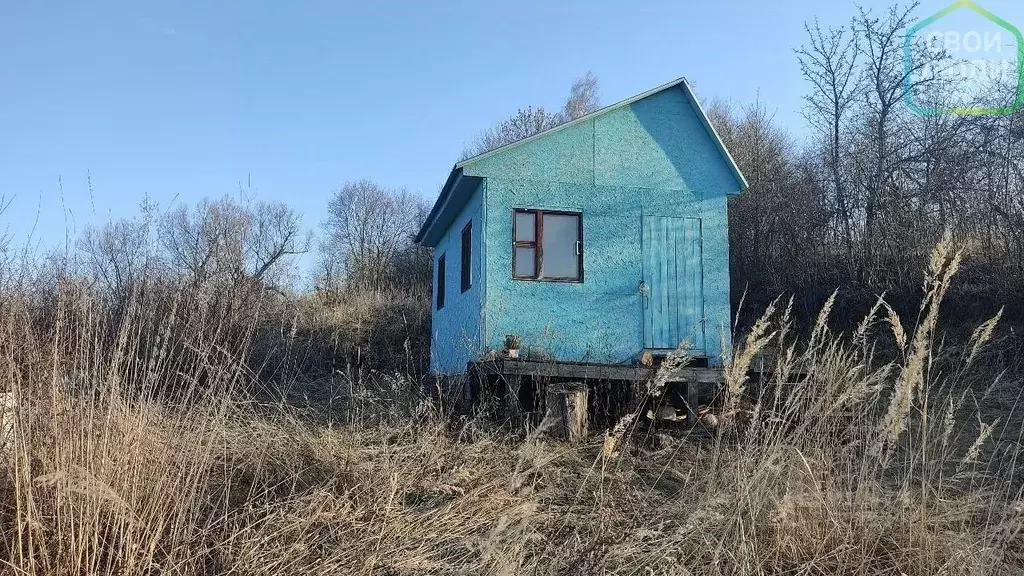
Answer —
442 201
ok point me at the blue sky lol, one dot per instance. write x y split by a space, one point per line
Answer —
180 100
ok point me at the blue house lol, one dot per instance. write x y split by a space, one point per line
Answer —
595 241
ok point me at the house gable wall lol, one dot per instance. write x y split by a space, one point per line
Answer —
652 157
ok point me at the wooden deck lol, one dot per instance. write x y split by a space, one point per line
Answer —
591 371
696 386
695 382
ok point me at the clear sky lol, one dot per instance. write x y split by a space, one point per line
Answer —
185 99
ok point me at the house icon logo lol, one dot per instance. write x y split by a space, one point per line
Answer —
964 60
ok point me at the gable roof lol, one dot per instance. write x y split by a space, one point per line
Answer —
456 179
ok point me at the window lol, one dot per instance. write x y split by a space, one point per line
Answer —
547 245
467 256
440 282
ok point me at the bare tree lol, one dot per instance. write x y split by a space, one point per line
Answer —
5 240
225 242
829 63
368 231
524 123
275 234
776 225
116 253
582 100
120 253
862 203
888 124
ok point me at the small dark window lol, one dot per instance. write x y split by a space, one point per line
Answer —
547 245
467 256
440 282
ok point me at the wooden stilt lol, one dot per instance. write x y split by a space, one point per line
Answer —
692 408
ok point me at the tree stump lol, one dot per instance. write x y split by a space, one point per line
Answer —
566 411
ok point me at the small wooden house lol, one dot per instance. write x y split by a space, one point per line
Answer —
595 241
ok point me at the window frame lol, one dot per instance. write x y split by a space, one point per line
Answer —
538 242
466 257
441 272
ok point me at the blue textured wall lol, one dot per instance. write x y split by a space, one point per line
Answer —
456 328
652 157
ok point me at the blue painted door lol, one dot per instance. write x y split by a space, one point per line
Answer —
673 284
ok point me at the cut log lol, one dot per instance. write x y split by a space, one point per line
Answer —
566 414
577 415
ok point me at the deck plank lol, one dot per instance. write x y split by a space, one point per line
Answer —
593 371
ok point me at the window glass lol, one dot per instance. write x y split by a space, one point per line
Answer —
559 246
525 261
526 227
440 282
467 257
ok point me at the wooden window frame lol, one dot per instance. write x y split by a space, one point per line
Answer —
441 273
538 242
466 257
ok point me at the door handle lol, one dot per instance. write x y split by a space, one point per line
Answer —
645 290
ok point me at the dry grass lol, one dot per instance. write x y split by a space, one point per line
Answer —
128 459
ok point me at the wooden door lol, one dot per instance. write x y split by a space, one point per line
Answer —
673 283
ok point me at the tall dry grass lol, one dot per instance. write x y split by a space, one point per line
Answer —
135 446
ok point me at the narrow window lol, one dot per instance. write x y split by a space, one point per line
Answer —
547 245
524 244
440 282
467 256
